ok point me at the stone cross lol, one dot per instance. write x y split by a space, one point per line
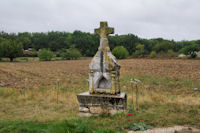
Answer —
103 32
104 68
104 89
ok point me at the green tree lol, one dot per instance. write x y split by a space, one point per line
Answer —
139 50
1 51
11 49
163 46
71 53
25 39
45 55
191 50
120 52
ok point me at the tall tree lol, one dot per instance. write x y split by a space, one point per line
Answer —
11 49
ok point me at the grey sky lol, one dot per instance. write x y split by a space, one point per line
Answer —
170 19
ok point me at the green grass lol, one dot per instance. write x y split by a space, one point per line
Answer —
77 125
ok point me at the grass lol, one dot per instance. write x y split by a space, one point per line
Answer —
47 100
77 125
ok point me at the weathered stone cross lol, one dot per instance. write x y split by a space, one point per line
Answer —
104 30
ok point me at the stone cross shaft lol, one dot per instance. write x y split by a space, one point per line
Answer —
103 32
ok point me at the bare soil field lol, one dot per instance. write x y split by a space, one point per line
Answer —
34 74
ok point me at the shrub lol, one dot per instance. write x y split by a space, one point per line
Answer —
71 53
153 54
140 50
190 50
170 51
181 51
163 46
120 52
46 55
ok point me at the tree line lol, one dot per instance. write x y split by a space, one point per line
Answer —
88 43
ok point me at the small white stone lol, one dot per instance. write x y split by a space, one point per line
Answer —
196 89
83 109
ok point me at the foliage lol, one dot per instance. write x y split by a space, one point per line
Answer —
190 50
140 127
71 53
139 50
120 52
10 49
181 51
46 55
170 51
153 54
163 46
1 51
88 43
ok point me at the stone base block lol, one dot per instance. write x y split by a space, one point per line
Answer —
96 104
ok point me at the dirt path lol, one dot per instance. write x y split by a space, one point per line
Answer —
174 129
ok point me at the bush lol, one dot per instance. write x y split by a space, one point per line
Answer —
71 53
170 51
140 50
181 51
191 50
120 52
153 54
46 55
163 46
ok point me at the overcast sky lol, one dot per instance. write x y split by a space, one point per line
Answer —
170 19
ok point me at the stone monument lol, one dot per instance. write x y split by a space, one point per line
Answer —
104 89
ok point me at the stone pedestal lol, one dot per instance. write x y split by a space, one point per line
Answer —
96 104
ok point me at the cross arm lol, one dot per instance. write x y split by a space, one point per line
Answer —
109 31
97 31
